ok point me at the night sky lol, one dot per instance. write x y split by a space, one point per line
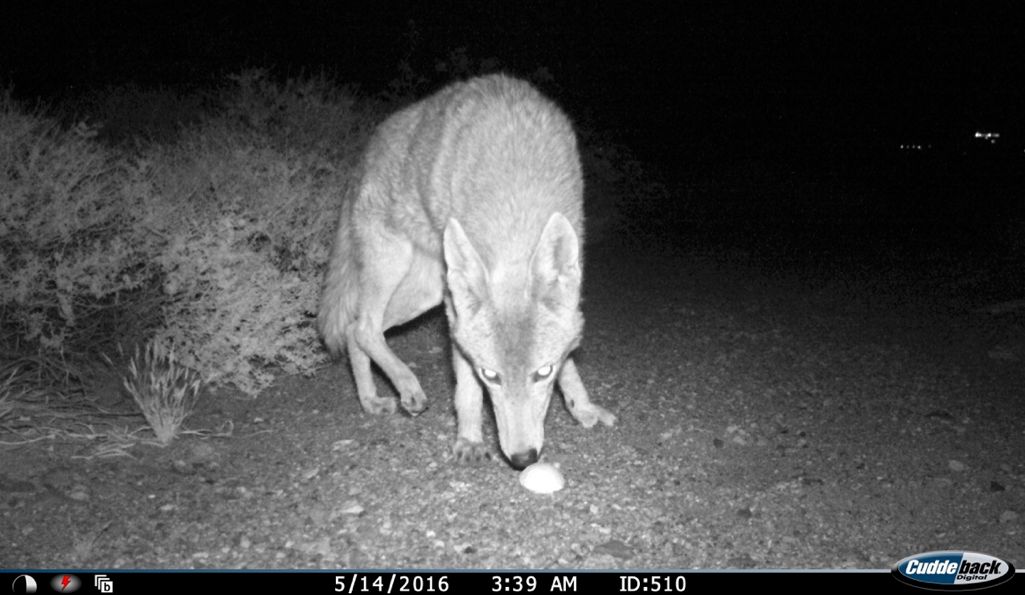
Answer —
780 75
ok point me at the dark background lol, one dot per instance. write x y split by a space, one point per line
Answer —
690 86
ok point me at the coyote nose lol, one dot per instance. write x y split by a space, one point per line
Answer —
522 460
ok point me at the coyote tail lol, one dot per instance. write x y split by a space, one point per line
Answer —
341 289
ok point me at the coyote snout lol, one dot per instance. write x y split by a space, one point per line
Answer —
520 430
471 197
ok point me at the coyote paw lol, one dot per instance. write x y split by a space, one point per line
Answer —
378 405
470 452
414 403
592 414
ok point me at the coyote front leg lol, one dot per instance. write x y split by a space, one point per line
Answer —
577 400
469 400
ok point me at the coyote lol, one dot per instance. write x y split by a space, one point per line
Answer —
473 197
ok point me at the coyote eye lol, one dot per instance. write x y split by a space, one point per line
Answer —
488 375
544 371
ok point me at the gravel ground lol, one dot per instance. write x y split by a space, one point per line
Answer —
772 413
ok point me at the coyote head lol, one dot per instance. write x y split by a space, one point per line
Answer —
516 319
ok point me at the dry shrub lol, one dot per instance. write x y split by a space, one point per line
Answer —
164 390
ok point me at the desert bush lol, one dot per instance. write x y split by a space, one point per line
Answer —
213 244
72 240
250 197
210 242
235 311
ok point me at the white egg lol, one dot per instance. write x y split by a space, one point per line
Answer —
542 478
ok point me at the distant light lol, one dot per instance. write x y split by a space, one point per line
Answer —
987 136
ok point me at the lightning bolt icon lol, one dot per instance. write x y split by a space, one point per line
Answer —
64 582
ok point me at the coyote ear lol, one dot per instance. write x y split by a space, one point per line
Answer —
555 264
465 271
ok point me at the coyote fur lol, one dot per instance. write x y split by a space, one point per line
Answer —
473 197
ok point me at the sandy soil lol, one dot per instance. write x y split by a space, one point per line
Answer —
772 412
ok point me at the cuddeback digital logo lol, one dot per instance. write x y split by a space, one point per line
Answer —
952 571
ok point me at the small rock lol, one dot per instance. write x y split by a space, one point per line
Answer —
319 516
320 547
996 486
202 452
741 561
1008 516
79 493
616 549
956 466
351 507
338 445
